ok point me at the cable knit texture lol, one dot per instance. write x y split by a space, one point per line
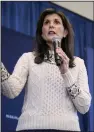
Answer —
51 99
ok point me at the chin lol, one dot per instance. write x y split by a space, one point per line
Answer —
50 38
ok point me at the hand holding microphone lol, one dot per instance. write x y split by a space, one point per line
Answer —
61 58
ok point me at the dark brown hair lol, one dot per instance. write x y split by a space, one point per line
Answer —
67 43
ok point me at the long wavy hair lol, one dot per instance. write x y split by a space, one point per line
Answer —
67 43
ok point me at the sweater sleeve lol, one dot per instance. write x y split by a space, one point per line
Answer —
79 91
11 85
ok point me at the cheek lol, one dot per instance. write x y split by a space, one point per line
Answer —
61 31
44 30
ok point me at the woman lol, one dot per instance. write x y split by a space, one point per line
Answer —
53 93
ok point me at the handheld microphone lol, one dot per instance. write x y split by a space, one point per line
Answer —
57 43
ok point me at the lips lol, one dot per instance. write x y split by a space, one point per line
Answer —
51 32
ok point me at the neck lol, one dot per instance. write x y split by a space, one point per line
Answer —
50 45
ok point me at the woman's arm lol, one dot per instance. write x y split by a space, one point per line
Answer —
11 85
79 91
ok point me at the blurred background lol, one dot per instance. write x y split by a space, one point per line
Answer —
18 28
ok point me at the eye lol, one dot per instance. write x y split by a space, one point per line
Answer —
46 22
57 21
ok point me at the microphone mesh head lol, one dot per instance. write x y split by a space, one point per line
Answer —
56 39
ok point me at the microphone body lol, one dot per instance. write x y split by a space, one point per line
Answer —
57 43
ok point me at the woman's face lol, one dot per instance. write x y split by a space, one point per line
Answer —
53 27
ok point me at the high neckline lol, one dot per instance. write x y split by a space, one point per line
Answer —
51 57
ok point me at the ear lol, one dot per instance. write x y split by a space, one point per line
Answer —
65 33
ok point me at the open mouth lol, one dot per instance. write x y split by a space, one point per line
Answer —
51 33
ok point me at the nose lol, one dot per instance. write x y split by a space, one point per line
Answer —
51 25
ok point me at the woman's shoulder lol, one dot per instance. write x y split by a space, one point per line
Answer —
27 57
29 54
78 60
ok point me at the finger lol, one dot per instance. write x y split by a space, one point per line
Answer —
59 50
63 56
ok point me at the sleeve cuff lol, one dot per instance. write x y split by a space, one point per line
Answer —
4 73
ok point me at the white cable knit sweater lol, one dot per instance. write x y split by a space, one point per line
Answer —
51 99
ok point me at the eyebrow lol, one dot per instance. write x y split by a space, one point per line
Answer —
54 19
